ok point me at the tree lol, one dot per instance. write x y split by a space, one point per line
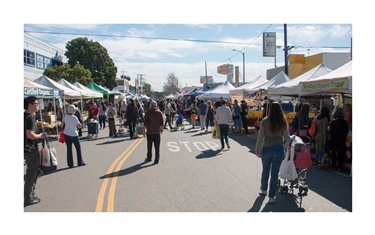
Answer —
147 89
93 57
172 85
76 74
125 77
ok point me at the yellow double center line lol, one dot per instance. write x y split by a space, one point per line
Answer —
111 194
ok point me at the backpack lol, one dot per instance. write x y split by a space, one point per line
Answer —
312 129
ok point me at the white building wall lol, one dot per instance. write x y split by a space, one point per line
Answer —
39 47
335 60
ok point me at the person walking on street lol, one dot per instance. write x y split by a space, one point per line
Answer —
223 119
167 113
237 120
209 115
153 128
102 115
202 113
94 111
111 113
31 153
132 117
70 124
243 116
270 148
173 111
123 108
338 130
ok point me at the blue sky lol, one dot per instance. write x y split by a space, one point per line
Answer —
158 49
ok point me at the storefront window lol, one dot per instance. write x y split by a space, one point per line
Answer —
42 62
28 58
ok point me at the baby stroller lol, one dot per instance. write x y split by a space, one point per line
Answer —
179 122
298 151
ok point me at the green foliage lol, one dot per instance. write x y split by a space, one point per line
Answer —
76 74
125 77
172 85
94 57
147 89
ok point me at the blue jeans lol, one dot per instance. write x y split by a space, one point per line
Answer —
132 128
209 120
102 121
69 140
272 157
224 129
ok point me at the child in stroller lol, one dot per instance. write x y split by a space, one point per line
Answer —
298 150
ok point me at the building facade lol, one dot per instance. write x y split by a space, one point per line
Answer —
39 55
299 64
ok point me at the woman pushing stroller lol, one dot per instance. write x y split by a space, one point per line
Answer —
270 148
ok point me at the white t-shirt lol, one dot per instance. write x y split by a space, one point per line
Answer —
223 115
71 122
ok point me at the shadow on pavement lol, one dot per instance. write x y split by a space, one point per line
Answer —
331 185
284 203
127 171
208 153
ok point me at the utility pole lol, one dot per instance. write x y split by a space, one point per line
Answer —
141 82
285 50
205 67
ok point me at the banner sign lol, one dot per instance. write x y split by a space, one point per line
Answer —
224 69
35 91
203 79
237 97
269 44
296 59
326 85
252 95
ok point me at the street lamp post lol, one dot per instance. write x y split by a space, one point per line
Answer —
243 64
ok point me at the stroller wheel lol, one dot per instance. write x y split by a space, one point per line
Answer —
300 189
285 189
305 190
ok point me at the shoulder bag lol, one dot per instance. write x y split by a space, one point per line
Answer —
48 160
287 168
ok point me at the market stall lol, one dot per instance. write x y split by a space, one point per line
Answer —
334 84
31 88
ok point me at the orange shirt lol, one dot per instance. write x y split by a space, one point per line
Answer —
193 116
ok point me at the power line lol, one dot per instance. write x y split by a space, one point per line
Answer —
175 39
122 36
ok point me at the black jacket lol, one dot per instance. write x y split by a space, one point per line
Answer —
338 130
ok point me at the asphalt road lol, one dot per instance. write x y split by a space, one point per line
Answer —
193 175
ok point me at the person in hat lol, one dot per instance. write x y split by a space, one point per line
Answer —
153 128
70 123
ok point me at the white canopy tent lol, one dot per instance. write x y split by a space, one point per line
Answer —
84 94
339 81
220 91
93 94
170 96
291 87
67 92
260 80
280 78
